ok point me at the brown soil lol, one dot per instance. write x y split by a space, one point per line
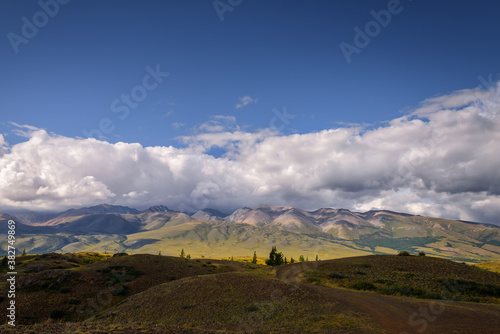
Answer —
400 315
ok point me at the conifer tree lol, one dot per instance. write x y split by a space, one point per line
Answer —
254 259
275 258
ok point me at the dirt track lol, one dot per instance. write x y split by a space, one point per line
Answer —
400 315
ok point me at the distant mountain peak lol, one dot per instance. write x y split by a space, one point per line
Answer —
209 214
157 208
99 209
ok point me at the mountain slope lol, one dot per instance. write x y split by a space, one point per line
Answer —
324 232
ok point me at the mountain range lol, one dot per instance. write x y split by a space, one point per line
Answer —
326 232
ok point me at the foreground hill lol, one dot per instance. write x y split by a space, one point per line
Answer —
416 276
82 285
96 293
325 232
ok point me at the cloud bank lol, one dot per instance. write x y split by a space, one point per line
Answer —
440 160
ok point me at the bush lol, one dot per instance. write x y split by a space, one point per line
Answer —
404 253
120 290
74 301
252 308
336 275
421 254
64 289
313 280
403 290
56 314
471 288
363 286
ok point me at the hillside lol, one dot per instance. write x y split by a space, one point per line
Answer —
416 276
325 232
91 293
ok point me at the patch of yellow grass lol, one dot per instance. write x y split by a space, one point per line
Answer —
492 266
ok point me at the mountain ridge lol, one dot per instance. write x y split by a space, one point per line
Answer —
325 231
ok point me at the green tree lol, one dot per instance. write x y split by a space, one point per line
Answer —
301 258
24 252
182 255
286 262
188 256
292 260
307 259
317 258
275 258
254 259
159 253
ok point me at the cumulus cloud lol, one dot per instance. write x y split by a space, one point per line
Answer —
3 145
440 160
244 101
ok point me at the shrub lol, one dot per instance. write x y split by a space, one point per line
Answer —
74 301
64 289
115 274
363 286
404 253
359 272
313 280
471 288
252 308
421 254
56 314
120 290
403 290
336 275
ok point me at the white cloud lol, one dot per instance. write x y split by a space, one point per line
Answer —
441 160
4 146
23 130
219 123
177 125
244 101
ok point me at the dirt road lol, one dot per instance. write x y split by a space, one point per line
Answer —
401 315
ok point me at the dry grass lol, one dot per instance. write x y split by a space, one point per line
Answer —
416 276
492 266
84 290
238 302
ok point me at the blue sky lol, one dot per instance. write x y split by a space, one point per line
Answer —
248 102
281 53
